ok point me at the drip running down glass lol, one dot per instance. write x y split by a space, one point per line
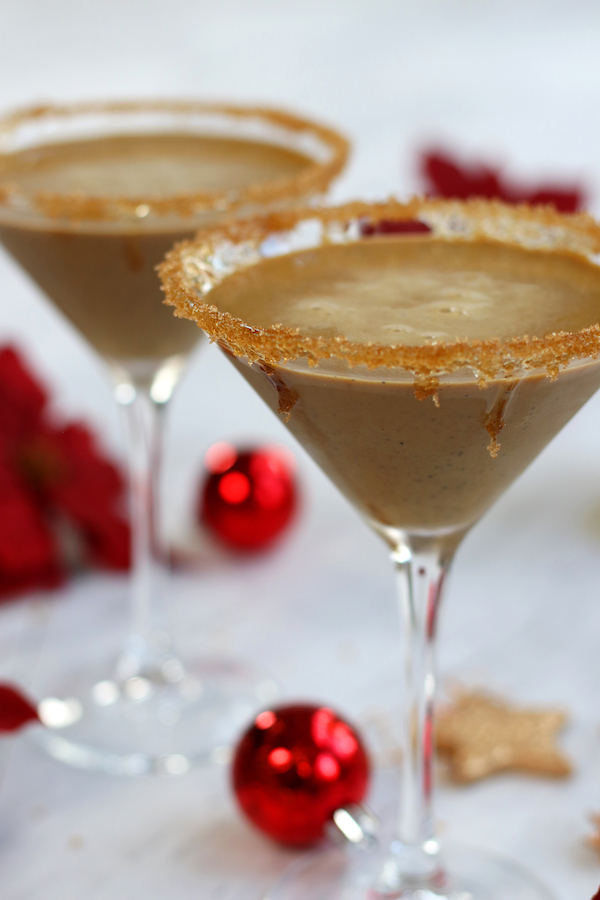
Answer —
91 198
390 340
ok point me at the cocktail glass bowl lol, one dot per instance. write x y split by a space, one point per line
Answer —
93 250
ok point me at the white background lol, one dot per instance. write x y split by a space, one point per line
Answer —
512 82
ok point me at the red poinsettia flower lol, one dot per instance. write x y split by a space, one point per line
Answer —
16 709
53 482
445 177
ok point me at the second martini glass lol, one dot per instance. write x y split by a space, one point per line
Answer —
91 197
391 339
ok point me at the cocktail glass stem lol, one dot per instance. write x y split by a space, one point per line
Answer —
150 712
422 566
143 396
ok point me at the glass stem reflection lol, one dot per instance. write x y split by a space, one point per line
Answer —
143 397
422 566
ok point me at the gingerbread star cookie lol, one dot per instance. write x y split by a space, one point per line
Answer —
593 840
480 735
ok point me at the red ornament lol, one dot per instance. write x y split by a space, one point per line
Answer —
249 496
15 709
294 767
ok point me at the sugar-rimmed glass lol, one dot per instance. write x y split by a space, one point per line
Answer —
510 396
94 254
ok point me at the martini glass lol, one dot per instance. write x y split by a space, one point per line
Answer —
421 431
91 198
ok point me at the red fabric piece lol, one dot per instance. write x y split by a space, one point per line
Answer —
294 767
444 176
15 709
51 474
249 497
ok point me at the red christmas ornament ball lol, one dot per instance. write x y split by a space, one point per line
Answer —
294 767
249 496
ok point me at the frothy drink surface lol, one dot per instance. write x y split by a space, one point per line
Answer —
101 274
150 165
417 291
408 463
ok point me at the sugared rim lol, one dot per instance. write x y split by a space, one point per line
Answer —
194 268
311 181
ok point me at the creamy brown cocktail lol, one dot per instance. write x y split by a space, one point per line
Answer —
424 354
91 197
435 457
90 219
438 462
101 274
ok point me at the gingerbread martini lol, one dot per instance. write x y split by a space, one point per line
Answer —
90 217
424 354
91 197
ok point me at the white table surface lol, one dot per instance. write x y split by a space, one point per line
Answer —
515 82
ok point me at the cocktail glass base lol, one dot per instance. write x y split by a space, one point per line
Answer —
152 725
468 874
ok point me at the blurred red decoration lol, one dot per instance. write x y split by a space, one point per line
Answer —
53 482
15 709
394 226
294 767
596 895
445 177
249 496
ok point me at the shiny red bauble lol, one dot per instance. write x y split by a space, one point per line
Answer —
294 767
249 496
15 709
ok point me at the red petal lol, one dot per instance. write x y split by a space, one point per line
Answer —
29 555
445 177
565 201
394 226
90 493
22 399
25 542
15 709
43 466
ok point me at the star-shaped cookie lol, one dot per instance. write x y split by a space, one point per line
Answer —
593 840
480 734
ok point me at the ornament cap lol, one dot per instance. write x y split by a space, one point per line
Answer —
355 824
